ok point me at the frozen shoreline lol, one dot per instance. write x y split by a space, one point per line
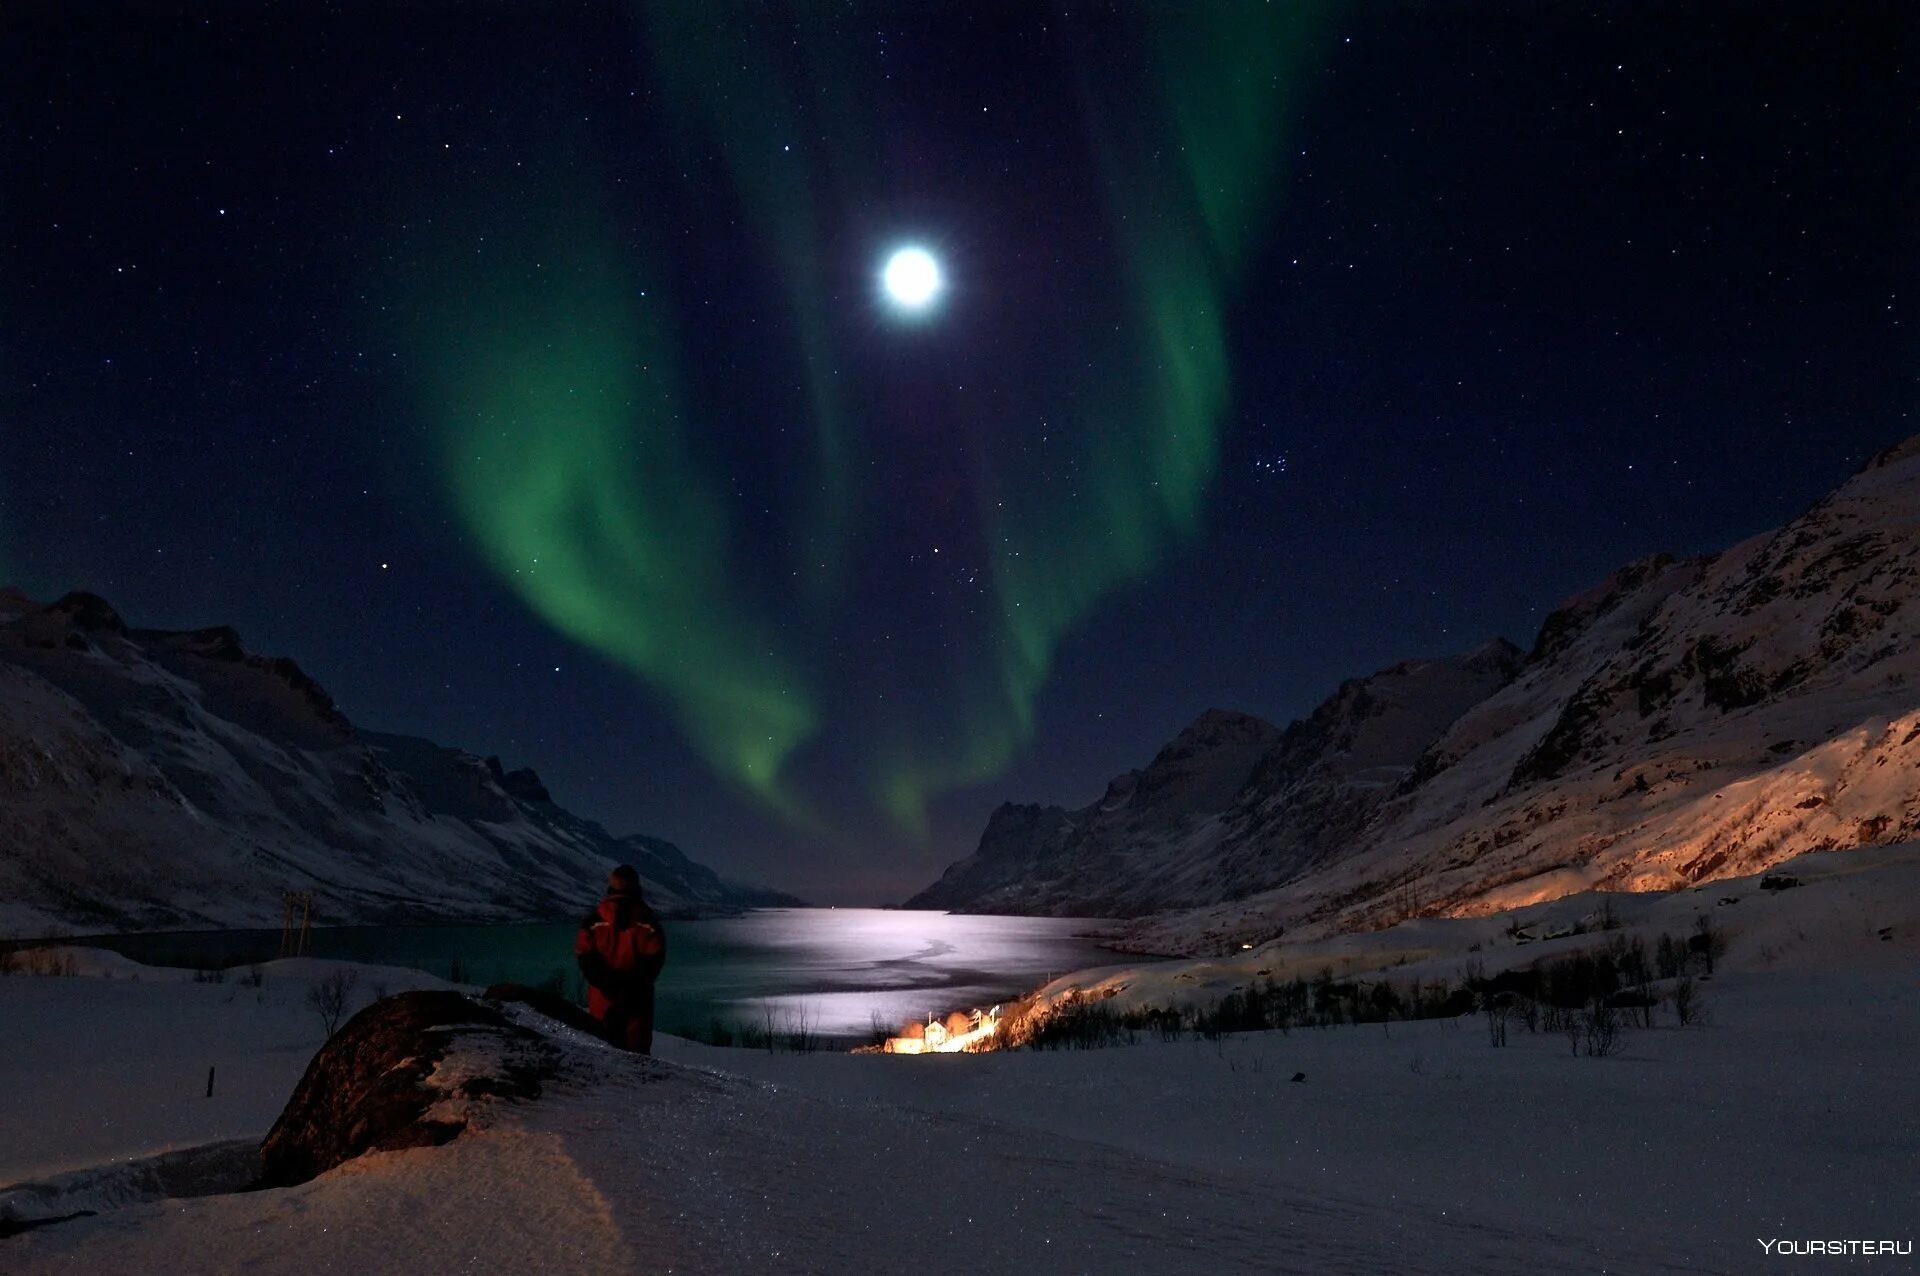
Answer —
1414 1147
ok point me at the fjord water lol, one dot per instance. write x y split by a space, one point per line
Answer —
839 968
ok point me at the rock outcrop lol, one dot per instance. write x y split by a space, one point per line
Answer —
405 1072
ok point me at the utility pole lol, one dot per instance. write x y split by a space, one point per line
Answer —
296 941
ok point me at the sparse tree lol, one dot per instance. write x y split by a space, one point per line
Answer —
1325 1003
1708 940
1495 1008
331 996
1689 1007
804 1038
1384 1002
1669 956
1636 973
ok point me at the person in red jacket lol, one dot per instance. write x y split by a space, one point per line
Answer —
620 949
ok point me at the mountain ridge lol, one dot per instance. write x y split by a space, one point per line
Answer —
160 779
1681 720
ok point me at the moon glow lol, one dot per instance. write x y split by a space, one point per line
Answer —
912 279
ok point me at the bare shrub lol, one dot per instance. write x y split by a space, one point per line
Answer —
48 961
1689 1007
1082 1023
1600 1029
801 1033
331 996
1553 1017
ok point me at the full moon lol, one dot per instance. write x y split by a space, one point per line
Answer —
912 278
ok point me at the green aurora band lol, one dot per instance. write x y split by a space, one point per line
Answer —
1149 446
565 453
564 433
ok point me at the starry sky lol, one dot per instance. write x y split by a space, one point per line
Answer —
523 371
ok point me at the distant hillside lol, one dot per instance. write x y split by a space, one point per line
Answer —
154 780
1181 832
1684 720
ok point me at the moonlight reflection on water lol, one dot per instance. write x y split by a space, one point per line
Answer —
842 967
837 967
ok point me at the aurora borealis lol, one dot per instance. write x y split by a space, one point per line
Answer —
566 414
527 373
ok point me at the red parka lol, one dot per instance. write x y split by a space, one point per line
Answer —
620 948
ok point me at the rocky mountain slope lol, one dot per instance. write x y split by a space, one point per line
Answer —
1683 721
1183 831
1045 859
155 780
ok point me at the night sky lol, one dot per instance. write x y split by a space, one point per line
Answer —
524 372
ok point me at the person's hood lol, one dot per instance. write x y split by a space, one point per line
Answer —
608 909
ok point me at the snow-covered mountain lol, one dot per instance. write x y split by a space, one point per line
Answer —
152 779
1086 862
1683 721
1232 806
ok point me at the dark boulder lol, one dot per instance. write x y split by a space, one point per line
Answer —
550 1004
371 1088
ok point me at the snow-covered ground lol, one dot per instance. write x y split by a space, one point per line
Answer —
112 1063
1791 1115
